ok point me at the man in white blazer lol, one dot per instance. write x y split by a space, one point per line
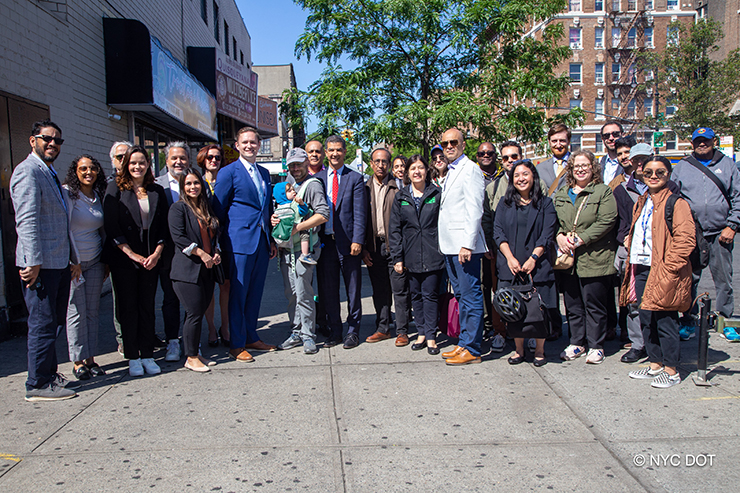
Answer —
463 244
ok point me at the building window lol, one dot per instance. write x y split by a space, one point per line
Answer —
632 38
599 37
598 5
648 105
649 75
616 37
266 146
226 38
649 5
631 5
241 55
216 24
599 110
574 5
575 38
599 144
648 36
670 141
575 142
204 10
575 73
615 5
599 73
672 35
670 108
233 40
575 103
631 108
616 71
616 104
672 4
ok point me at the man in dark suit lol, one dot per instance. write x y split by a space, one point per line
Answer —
552 169
178 160
43 255
343 237
242 200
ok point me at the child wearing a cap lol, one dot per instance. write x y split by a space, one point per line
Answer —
292 210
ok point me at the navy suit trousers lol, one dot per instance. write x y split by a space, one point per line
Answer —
331 263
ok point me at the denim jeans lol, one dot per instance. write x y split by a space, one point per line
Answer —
465 280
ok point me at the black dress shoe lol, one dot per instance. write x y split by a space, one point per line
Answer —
433 350
351 340
539 362
634 355
96 370
417 347
515 361
82 373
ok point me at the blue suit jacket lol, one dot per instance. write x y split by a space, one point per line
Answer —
350 214
236 204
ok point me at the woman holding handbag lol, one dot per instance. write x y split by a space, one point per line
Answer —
524 229
194 231
586 243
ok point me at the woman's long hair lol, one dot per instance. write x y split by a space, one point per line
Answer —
199 205
512 195
73 182
124 179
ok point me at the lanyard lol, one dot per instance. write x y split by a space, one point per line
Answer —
646 223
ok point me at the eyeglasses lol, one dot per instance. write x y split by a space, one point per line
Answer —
438 157
509 157
216 157
659 173
486 153
446 143
47 138
582 166
616 135
119 157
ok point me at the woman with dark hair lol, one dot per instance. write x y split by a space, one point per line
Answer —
414 247
659 271
84 188
194 231
587 213
210 160
438 169
136 225
524 229
398 170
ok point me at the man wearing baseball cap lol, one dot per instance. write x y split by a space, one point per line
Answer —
710 181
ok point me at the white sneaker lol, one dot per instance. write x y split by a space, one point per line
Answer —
150 366
498 343
173 350
572 352
134 368
532 344
664 380
595 356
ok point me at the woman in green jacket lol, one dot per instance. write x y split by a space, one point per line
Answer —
587 285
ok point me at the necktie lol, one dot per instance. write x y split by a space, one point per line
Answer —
335 190
560 167
59 186
257 183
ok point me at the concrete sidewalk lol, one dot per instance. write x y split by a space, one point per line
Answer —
374 418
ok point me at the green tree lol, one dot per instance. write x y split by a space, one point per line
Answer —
426 65
687 77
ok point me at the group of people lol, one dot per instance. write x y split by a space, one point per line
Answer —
569 225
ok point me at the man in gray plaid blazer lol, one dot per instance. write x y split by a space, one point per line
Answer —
43 256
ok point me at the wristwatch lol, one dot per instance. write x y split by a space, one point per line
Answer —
535 257
733 226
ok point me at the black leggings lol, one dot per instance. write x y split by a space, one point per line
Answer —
195 298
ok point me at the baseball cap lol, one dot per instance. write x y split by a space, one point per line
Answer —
705 132
641 149
437 148
296 155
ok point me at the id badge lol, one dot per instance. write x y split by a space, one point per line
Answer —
643 259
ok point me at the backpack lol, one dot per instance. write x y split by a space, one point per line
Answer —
699 257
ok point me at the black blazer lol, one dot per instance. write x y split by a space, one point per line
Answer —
185 230
413 237
123 224
542 223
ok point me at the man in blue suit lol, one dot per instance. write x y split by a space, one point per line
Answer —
242 200
343 237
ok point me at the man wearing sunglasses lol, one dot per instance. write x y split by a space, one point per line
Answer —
43 256
462 243
610 168
710 181
552 170
487 162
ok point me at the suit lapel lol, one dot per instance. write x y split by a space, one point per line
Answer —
195 226
152 197
452 176
251 188
50 179
128 198
343 185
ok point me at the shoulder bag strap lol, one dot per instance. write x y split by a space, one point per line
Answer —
696 164
554 185
578 212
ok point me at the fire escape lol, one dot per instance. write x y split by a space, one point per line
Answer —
623 50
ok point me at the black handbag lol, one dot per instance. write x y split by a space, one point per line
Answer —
537 313
218 273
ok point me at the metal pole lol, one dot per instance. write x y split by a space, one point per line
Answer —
705 305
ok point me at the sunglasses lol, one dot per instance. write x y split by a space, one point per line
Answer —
486 153
659 173
438 157
616 135
119 157
509 157
46 138
217 158
446 143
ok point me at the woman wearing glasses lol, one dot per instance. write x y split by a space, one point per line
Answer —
659 271
438 168
587 213
211 159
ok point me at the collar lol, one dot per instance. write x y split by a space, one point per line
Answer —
330 170
247 163
454 163
41 161
564 158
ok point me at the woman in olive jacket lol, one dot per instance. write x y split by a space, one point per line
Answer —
659 272
586 286
414 247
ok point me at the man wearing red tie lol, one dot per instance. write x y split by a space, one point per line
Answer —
343 237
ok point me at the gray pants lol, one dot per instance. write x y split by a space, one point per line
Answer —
634 328
298 283
83 312
720 265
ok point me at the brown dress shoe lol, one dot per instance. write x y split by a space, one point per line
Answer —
463 358
260 346
402 340
240 354
377 337
451 354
